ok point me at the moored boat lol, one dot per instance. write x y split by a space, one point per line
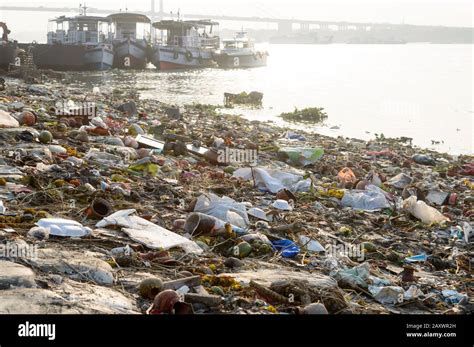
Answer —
185 44
240 52
76 43
130 39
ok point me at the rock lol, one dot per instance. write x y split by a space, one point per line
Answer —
150 287
233 263
15 275
82 136
7 121
180 148
268 276
129 108
27 118
135 130
81 266
129 141
45 137
57 149
70 298
315 309
38 233
242 250
143 153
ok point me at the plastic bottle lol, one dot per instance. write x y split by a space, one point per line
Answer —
422 211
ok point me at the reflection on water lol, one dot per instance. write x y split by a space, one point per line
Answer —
421 91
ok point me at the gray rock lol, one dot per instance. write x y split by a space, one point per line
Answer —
15 275
315 309
129 107
70 298
233 263
76 265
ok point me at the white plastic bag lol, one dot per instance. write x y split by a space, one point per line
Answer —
274 180
147 233
224 208
371 199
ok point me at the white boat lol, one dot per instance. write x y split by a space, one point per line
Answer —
240 52
78 43
185 44
130 38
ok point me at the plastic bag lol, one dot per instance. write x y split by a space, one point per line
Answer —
273 180
225 209
346 176
371 199
400 181
301 156
147 233
287 247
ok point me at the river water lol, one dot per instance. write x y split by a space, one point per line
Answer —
422 91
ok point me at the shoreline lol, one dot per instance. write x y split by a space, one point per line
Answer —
344 257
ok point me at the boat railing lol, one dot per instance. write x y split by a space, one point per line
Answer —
195 41
210 42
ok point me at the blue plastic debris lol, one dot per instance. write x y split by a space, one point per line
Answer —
287 247
417 258
452 296
294 136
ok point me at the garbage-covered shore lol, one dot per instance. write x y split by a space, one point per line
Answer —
147 208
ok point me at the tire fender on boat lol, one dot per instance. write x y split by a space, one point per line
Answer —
189 56
176 54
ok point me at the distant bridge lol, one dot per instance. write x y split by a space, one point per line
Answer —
285 26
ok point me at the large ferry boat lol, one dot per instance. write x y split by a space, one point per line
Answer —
185 44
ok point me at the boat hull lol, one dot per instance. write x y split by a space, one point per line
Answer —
175 58
236 61
71 57
59 57
130 54
8 53
99 58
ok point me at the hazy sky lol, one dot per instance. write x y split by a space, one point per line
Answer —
427 12
442 12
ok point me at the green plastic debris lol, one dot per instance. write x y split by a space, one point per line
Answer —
301 156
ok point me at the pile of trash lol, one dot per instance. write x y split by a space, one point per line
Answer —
135 206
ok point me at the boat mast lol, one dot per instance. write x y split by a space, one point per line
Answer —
83 9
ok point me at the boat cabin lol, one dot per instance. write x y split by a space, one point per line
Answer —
188 34
86 30
241 41
130 26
